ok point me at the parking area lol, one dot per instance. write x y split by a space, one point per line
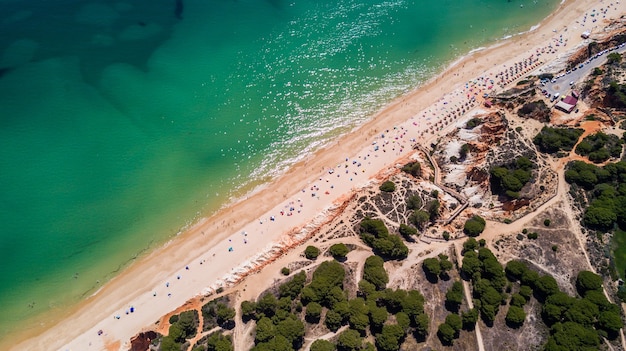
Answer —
564 82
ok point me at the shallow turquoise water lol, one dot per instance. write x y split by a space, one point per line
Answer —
120 124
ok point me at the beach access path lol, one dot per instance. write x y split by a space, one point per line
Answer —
239 239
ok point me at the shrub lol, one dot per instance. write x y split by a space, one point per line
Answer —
374 272
407 231
285 271
388 186
510 179
419 218
588 281
414 202
413 168
546 222
473 123
349 340
431 267
515 316
469 319
454 320
614 57
465 148
311 252
515 269
293 287
454 296
322 345
375 234
446 235
446 334
248 310
537 108
532 235
339 251
474 226
313 312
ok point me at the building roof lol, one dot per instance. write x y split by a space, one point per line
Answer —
570 100
564 106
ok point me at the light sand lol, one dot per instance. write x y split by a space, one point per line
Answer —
305 194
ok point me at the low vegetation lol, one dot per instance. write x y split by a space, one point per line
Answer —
413 168
474 226
536 109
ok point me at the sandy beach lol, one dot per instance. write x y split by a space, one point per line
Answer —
238 240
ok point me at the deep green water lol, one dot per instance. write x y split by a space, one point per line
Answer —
120 124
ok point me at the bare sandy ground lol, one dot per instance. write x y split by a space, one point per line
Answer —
219 251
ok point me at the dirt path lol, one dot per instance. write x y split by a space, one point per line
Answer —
468 297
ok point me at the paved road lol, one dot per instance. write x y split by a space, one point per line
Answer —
562 85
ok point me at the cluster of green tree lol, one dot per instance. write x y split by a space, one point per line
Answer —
278 326
217 313
374 272
214 342
183 326
576 323
413 168
449 330
600 147
473 123
388 315
326 287
616 95
436 268
375 311
488 279
510 179
474 226
388 186
606 193
283 332
375 234
551 140
537 108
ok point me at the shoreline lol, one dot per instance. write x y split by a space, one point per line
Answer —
190 245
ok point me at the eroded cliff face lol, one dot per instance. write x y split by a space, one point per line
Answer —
141 341
614 35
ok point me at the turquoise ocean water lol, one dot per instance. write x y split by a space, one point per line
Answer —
121 123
